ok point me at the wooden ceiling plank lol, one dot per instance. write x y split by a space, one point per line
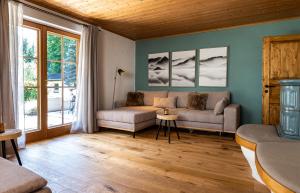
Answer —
139 19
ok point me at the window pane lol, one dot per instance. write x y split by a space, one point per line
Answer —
54 74
54 107
69 50
69 75
30 108
30 42
53 47
69 104
30 72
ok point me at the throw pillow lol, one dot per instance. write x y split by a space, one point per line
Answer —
197 101
220 106
135 99
169 102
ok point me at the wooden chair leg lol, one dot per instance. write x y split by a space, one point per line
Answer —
16 151
3 149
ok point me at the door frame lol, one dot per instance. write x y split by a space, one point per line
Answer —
44 132
266 71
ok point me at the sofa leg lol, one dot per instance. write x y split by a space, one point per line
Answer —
133 135
220 133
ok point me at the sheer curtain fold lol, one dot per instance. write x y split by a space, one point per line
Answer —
6 95
16 65
87 102
11 17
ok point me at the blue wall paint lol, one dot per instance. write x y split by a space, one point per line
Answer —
244 65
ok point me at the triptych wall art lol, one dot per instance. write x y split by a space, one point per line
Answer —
212 68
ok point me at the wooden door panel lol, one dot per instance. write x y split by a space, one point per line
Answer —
274 94
274 114
281 60
284 60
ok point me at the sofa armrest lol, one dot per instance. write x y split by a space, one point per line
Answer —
231 118
119 104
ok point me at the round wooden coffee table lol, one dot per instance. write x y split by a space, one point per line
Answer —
168 119
10 134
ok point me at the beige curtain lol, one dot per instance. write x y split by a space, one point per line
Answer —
88 96
7 115
6 95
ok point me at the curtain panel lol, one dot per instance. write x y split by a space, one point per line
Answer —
16 65
11 17
87 102
6 94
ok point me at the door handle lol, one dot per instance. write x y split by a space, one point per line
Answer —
269 86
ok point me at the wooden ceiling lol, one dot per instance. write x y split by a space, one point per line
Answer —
141 19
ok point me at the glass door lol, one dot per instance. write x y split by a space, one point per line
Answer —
50 72
31 63
62 57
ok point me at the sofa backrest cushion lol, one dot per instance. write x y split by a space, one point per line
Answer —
169 102
182 98
149 96
214 97
135 99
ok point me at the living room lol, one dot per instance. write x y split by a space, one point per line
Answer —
149 96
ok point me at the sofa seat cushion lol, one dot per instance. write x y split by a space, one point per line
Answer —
136 114
256 133
18 179
206 116
280 160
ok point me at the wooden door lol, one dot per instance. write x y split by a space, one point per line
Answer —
281 60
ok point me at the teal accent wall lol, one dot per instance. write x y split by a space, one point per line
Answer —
244 75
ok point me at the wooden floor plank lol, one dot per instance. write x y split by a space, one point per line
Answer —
112 161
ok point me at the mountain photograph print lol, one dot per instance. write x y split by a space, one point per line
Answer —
183 68
158 69
213 67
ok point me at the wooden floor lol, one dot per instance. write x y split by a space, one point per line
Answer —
113 161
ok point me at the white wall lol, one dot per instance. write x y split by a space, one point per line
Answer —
116 51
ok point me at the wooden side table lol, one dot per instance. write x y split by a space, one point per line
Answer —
10 134
168 119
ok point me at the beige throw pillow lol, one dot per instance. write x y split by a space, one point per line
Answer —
169 102
220 106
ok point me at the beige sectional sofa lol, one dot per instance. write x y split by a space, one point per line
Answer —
135 118
17 179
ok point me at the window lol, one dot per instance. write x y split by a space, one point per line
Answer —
50 58
61 77
31 58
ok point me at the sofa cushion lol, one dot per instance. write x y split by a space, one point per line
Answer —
135 99
182 98
128 114
169 102
18 179
149 96
206 116
214 97
220 106
197 101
